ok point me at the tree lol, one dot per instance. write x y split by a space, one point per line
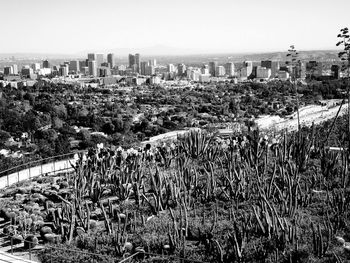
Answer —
344 40
4 136
108 128
294 62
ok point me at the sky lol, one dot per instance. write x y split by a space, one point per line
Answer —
203 26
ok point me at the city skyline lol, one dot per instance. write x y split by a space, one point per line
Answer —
178 27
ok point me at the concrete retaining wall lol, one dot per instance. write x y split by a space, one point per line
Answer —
49 168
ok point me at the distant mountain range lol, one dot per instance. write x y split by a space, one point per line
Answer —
166 53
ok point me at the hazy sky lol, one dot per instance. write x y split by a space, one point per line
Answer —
71 26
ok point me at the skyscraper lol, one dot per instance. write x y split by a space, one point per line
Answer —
153 62
74 66
83 63
15 69
335 71
314 69
273 65
219 71
64 70
230 69
91 56
134 62
46 64
137 62
131 60
181 69
249 67
93 68
149 70
212 66
99 59
144 64
110 60
36 66
171 68
8 70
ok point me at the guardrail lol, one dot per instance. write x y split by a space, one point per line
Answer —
51 165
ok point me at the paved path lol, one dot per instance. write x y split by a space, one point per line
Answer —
8 258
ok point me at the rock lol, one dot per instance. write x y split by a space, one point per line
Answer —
30 242
51 238
122 216
340 240
45 230
347 247
167 247
128 246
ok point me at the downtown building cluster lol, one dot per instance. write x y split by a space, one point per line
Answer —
136 71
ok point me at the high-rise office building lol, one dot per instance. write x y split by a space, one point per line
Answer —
36 66
219 71
137 62
93 68
134 62
149 70
143 66
273 65
212 66
99 59
153 62
263 72
230 69
74 66
181 69
131 60
249 67
83 63
15 69
335 69
64 70
266 64
171 68
110 60
314 69
91 56
27 71
205 70
8 70
46 64
104 71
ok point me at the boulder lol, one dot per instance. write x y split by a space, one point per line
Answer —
45 230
